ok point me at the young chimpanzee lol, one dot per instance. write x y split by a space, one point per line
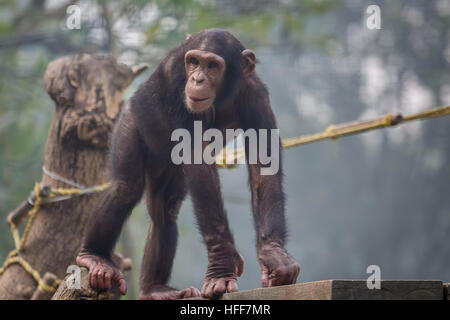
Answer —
210 77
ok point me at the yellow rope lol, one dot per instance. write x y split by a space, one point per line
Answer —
227 159
26 266
32 213
75 191
13 256
15 232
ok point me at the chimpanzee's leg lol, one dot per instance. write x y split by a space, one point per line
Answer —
163 202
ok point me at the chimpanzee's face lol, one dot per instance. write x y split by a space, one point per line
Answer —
205 73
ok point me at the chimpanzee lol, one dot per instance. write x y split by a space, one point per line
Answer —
210 77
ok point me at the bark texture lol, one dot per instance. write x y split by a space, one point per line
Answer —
88 95
67 290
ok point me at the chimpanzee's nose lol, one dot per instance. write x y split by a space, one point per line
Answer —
199 78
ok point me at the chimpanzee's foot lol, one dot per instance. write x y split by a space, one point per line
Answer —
216 285
162 292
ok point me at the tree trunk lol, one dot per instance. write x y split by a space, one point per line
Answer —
87 91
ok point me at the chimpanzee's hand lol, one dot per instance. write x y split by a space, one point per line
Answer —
102 272
277 266
221 275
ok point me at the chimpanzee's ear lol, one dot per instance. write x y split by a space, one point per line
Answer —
188 36
249 62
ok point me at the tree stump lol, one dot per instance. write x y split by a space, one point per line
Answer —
68 291
88 94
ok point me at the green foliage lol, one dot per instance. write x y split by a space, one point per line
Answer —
318 6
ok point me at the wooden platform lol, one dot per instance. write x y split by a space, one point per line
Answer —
348 290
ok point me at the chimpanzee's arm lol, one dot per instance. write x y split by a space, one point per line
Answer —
127 165
115 205
224 262
277 266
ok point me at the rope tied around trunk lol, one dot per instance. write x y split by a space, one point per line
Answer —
42 196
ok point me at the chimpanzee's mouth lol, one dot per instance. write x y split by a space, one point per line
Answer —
195 99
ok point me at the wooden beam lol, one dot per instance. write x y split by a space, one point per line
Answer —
447 291
346 290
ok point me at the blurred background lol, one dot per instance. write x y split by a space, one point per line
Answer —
378 198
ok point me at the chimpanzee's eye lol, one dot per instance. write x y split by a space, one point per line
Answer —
213 65
193 61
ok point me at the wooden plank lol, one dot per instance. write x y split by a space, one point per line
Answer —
447 291
318 290
390 290
346 290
